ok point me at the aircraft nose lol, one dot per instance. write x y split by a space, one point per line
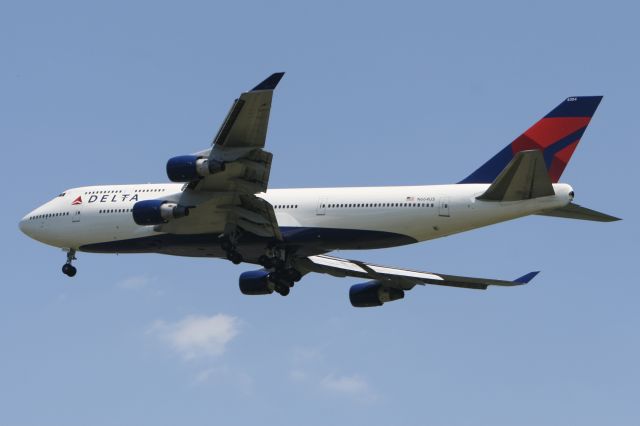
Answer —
23 225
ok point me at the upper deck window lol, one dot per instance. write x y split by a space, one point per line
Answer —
62 195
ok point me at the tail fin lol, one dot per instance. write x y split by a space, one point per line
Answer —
557 134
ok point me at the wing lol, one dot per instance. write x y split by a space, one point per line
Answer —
239 168
238 145
402 279
247 120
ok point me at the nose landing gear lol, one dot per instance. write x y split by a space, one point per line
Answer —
68 269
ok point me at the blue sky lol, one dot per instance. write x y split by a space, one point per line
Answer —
375 94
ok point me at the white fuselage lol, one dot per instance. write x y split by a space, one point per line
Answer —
418 213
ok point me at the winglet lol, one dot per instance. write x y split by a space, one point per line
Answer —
270 82
527 277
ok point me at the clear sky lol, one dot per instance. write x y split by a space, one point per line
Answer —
376 93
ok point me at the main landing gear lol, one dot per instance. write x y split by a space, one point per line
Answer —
68 269
277 261
284 280
283 275
227 244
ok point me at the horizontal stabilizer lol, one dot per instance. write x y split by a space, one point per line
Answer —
524 178
574 211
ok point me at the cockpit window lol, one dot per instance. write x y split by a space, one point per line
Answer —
62 195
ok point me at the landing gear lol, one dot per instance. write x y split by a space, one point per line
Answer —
271 262
228 244
279 263
235 257
265 261
282 283
286 280
68 269
283 274
283 291
292 274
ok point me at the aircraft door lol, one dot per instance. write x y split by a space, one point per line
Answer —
75 216
321 210
443 207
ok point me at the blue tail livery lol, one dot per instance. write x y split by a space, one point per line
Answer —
557 135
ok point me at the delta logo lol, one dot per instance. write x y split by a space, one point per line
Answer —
77 201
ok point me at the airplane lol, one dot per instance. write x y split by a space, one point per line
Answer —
218 205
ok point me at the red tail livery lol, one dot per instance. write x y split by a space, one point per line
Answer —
557 135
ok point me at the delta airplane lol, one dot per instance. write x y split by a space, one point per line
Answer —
219 206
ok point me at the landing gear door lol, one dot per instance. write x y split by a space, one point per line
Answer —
443 207
321 210
75 216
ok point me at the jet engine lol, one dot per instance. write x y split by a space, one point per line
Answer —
373 293
187 168
255 283
156 212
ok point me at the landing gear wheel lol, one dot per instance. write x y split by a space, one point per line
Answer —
69 270
265 261
283 291
235 257
293 275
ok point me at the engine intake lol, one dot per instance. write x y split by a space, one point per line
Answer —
255 283
187 168
156 212
373 293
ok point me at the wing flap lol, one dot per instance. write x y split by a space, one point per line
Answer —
257 212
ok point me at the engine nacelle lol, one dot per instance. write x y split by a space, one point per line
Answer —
156 212
187 168
255 283
373 293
